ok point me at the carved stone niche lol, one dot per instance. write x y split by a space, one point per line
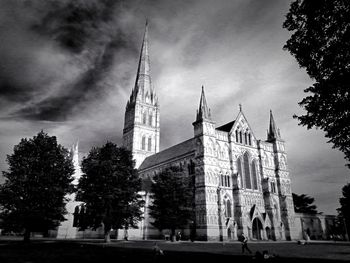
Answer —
265 185
236 181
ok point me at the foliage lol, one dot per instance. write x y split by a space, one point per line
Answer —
39 176
109 188
344 210
321 44
304 204
173 199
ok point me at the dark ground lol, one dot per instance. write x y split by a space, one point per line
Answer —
41 250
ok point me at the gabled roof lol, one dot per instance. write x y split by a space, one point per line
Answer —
226 127
236 123
168 154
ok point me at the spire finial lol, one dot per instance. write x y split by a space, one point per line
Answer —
143 83
273 132
203 110
240 107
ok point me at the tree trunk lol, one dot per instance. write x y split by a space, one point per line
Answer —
172 235
26 237
107 235
107 229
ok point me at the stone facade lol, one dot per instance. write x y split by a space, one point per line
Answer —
242 184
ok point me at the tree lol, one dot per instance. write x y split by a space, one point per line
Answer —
172 200
304 204
321 44
109 188
344 210
39 176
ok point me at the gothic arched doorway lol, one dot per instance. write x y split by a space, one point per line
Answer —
257 229
229 233
268 233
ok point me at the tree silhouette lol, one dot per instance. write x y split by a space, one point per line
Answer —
173 198
344 210
109 188
39 176
304 204
321 44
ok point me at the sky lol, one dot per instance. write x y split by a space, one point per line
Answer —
67 67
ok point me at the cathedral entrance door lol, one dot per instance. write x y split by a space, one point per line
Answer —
268 233
257 229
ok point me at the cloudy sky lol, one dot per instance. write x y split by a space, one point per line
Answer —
68 67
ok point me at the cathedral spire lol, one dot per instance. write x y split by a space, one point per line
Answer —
203 111
143 84
273 132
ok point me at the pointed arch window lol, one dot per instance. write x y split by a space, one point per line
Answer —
254 175
236 135
245 138
149 144
228 210
273 187
143 143
150 120
239 169
250 139
240 137
228 181
248 183
144 118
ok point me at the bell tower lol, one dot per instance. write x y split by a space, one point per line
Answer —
141 121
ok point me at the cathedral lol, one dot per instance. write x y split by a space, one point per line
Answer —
242 183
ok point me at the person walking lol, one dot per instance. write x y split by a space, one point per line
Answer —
157 253
244 241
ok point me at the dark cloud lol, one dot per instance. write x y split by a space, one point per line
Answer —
89 86
83 35
73 24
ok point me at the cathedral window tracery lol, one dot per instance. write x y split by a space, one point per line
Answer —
248 183
144 118
240 171
273 187
254 175
149 144
150 120
143 143
228 210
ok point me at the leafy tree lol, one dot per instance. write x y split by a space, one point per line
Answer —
321 44
304 204
39 176
344 210
172 200
109 188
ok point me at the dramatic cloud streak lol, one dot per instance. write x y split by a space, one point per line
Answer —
68 67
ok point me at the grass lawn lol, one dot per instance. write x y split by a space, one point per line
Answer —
141 251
